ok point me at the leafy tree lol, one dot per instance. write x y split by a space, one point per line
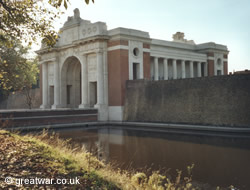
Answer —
29 19
30 75
16 71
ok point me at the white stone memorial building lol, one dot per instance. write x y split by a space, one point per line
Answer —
89 65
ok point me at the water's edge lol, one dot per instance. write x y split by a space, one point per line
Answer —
202 130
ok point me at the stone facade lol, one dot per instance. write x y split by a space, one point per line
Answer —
90 65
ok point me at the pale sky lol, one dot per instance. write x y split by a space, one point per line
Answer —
224 22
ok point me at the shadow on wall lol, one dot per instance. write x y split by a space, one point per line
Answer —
19 100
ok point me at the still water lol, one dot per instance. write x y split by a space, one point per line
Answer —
218 160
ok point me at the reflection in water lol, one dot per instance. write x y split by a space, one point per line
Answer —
218 161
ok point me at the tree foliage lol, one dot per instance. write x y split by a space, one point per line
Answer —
16 71
29 19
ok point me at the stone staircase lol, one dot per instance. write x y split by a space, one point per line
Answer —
25 118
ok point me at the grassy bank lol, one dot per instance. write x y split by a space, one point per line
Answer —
42 157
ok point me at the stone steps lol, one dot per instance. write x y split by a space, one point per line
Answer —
21 118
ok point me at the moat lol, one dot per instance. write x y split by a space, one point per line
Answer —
221 161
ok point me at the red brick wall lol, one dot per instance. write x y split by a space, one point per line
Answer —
146 46
119 71
118 74
210 67
118 42
210 54
124 73
225 68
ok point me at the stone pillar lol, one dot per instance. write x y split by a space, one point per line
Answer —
183 69
102 107
100 79
105 58
45 86
165 69
222 68
199 69
56 86
174 69
84 82
215 67
191 65
156 68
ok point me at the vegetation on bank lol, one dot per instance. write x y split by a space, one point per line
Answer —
48 157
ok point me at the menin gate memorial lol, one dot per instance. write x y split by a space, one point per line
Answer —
89 65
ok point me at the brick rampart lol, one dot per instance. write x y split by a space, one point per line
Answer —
218 101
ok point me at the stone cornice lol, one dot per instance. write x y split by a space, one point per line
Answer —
200 48
76 43
129 34
118 47
214 51
47 60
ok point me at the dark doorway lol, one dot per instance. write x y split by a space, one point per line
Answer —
68 93
93 93
51 95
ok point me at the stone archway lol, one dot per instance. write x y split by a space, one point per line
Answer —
71 83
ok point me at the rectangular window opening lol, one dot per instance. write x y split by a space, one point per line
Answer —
218 72
68 93
136 71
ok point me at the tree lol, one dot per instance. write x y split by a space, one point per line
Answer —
29 19
30 75
16 71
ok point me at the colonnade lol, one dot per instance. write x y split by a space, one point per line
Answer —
183 68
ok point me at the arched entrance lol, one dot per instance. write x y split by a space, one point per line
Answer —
71 83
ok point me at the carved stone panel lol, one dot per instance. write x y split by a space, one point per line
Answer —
51 74
92 69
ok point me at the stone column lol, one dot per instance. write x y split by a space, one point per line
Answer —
174 69
206 69
45 86
56 86
102 107
199 69
84 82
165 69
191 65
183 69
156 68
105 55
100 79
215 67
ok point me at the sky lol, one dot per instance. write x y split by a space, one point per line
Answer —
224 22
